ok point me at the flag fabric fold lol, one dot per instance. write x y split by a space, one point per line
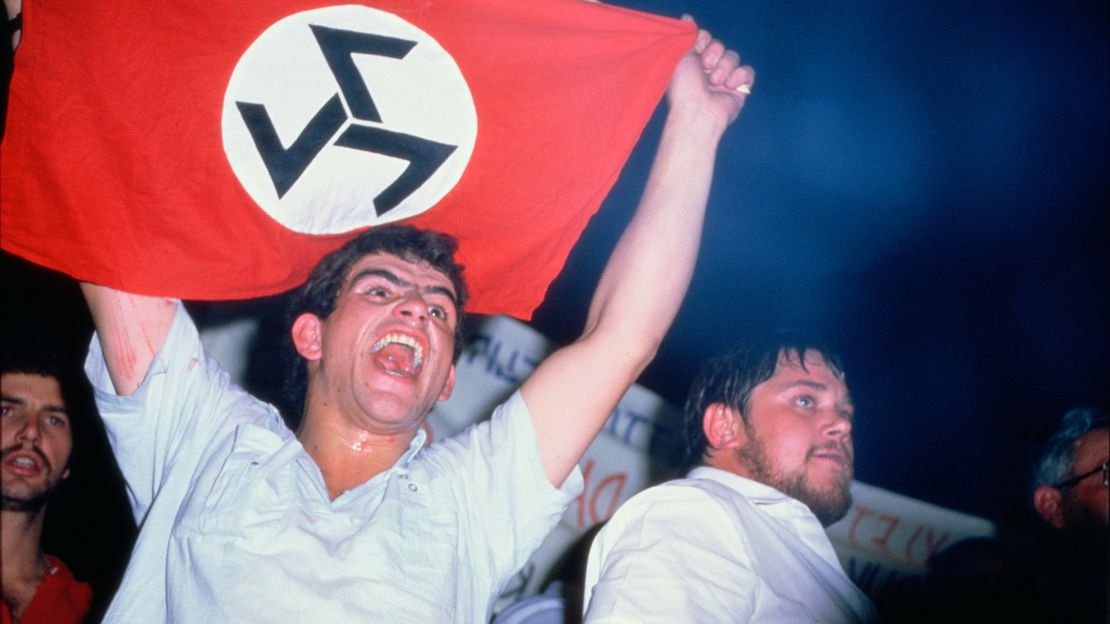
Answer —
217 150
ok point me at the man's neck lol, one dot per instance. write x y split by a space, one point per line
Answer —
348 456
24 564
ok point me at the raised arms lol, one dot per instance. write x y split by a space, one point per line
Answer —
573 391
132 330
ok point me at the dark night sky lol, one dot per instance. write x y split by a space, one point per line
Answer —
923 184
926 187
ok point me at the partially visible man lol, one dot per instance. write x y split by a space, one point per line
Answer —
1070 480
741 538
1070 493
36 445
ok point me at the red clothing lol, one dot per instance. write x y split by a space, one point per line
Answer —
59 599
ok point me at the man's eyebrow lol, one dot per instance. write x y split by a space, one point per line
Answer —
58 409
394 279
385 274
806 383
442 290
815 385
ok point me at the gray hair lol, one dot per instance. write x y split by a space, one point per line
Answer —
1057 462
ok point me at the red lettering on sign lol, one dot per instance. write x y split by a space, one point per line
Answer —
860 513
616 480
607 491
580 500
936 545
932 543
892 523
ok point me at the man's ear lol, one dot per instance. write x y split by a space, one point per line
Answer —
449 386
723 427
1048 500
306 336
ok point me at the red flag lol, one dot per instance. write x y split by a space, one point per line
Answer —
215 150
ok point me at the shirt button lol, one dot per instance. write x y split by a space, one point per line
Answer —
412 487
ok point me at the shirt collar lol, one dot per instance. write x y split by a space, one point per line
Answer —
415 445
756 492
313 470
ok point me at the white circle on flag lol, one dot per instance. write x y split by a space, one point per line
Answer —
316 168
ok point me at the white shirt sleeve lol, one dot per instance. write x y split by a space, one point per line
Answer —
185 403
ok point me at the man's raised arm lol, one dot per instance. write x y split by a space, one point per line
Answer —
574 390
132 330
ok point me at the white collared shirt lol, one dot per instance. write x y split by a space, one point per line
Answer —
237 525
716 547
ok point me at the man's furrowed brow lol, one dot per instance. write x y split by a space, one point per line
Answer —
385 274
444 291
396 280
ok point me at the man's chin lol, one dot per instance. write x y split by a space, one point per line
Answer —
23 502
830 505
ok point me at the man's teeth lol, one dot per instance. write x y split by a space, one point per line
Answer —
24 461
401 339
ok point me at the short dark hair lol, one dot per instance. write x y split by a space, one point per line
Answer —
730 377
320 292
1057 462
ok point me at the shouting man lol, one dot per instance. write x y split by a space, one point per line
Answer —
350 518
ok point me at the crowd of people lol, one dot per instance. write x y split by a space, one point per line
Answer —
743 528
352 517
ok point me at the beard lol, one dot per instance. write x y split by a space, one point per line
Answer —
28 503
829 504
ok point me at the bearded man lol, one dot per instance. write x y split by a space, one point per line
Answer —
36 446
741 538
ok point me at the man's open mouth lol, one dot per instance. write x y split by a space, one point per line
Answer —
24 462
399 354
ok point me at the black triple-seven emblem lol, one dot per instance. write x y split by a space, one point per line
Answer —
287 165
